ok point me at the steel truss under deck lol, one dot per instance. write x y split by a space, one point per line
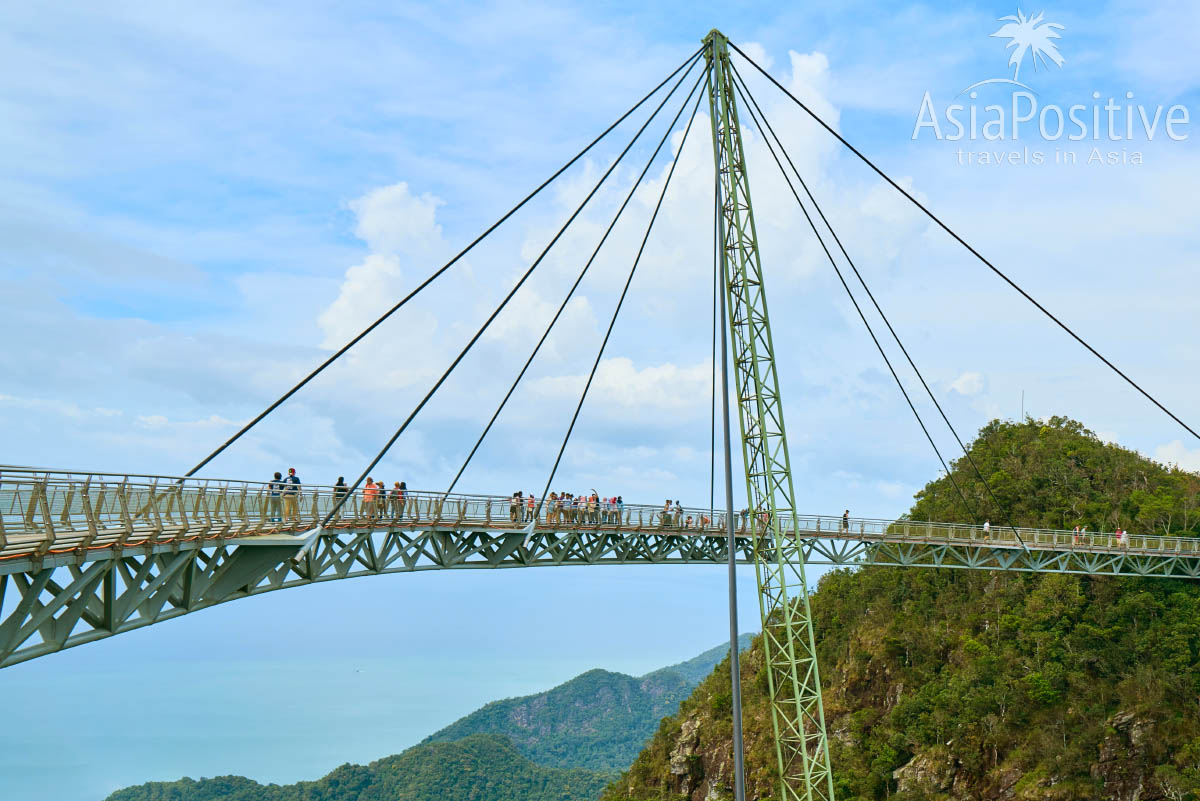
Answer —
69 600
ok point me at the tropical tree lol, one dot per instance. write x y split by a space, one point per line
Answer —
1030 35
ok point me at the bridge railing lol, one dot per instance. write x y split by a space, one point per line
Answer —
45 511
832 526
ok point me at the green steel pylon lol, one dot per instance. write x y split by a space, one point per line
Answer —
797 712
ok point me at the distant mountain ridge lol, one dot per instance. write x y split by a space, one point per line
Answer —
564 744
482 767
598 720
696 669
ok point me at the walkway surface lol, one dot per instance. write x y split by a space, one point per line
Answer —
53 517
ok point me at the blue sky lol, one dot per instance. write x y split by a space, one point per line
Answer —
197 204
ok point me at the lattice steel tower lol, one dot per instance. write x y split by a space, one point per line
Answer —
797 713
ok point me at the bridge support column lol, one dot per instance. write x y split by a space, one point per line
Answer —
797 711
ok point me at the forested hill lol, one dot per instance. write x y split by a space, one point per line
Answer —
943 684
599 720
482 767
1057 474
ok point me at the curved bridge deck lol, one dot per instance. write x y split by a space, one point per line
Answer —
56 518
87 556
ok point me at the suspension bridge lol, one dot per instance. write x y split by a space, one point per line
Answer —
85 556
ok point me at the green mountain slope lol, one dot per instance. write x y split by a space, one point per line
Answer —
481 767
599 720
696 669
965 685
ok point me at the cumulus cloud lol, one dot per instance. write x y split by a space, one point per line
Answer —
810 83
1175 452
524 320
621 388
405 244
368 290
401 231
968 384
391 219
758 54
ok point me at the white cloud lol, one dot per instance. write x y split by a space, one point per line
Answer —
524 320
213 422
401 230
758 54
368 290
626 390
810 82
391 219
1176 453
968 384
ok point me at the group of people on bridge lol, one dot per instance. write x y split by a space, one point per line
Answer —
566 507
283 498
378 501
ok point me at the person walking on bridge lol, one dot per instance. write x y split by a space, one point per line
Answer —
291 497
339 493
274 490
846 522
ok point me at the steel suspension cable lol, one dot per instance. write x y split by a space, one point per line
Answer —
496 312
688 63
562 307
616 312
744 90
854 301
967 245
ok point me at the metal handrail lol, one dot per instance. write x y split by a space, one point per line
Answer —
67 506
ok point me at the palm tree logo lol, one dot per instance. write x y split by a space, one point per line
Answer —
1027 36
